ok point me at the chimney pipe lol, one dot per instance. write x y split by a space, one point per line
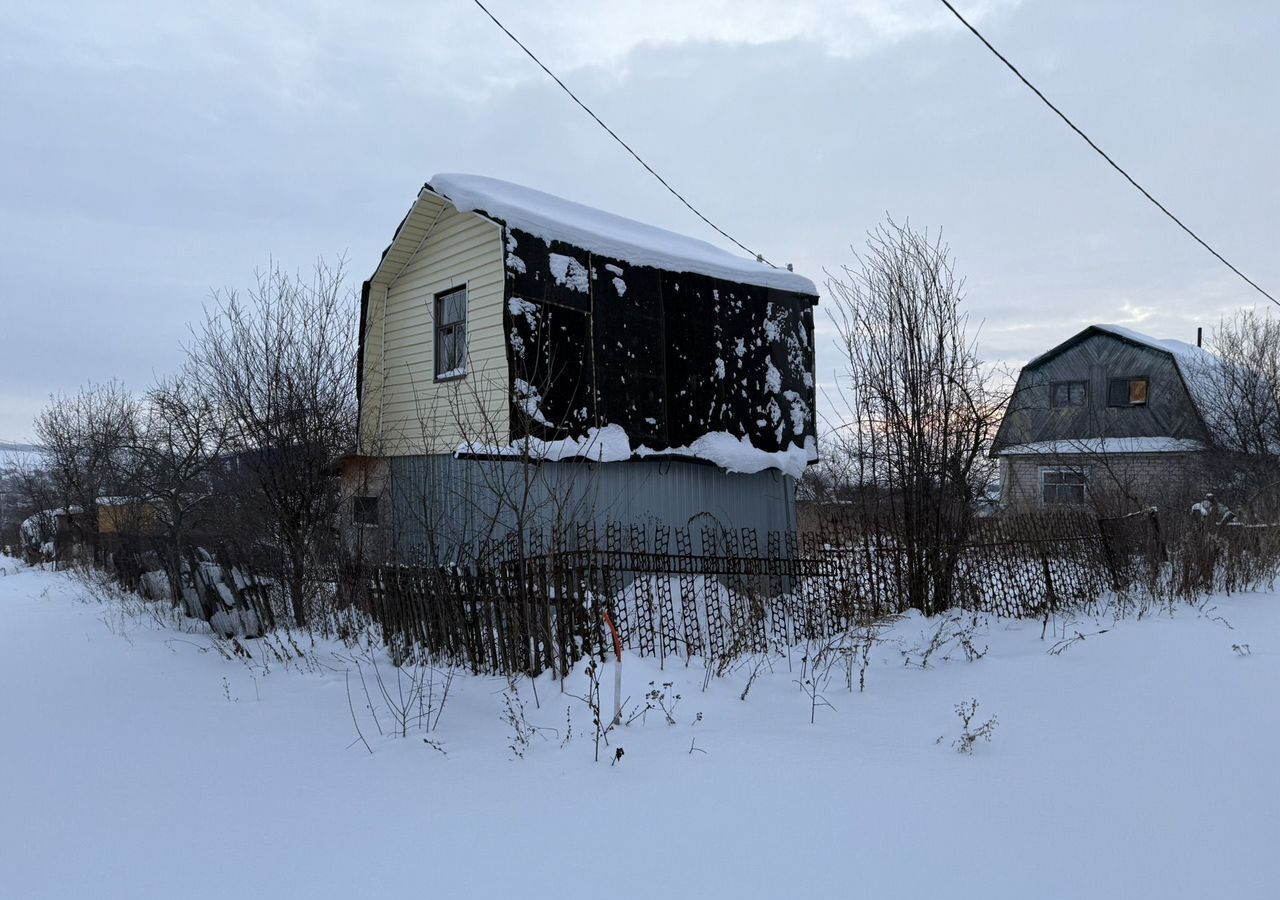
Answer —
1199 336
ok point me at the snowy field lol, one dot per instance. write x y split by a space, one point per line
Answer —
137 762
19 457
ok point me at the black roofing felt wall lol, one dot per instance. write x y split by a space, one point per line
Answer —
668 356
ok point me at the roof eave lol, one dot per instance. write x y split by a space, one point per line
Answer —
411 233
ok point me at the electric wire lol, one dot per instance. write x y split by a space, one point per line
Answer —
1129 178
614 135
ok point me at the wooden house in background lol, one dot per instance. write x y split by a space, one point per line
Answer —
1109 410
640 375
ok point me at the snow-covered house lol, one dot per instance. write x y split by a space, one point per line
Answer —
649 377
1107 410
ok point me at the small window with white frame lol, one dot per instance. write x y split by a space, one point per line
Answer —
1063 485
451 333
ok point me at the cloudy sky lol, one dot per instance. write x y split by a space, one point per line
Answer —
151 152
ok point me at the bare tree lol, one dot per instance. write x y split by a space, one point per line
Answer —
920 408
29 494
1238 391
85 436
277 367
174 457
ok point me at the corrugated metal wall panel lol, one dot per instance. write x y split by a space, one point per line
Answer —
441 502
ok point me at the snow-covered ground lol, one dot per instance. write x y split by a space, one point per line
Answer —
20 457
137 762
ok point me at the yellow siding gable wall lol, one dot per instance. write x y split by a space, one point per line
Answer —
404 410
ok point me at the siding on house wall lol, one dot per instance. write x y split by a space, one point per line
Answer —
1169 411
1154 478
404 410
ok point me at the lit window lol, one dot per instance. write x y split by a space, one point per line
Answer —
1127 392
451 334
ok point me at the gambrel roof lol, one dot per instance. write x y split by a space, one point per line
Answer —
555 219
1195 367
1195 364
1189 358
623 340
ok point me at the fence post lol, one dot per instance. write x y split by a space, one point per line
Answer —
1108 553
1051 598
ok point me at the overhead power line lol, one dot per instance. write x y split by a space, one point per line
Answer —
1129 178
614 135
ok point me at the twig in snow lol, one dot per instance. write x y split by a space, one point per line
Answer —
354 720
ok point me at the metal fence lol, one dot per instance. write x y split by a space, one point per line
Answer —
540 602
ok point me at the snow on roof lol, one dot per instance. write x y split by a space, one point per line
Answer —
553 218
1197 366
1098 446
1180 349
33 525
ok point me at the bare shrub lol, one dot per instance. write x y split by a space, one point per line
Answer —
175 452
970 734
919 406
601 725
656 699
411 697
955 634
276 366
522 730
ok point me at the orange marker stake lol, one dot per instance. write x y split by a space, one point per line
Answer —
617 669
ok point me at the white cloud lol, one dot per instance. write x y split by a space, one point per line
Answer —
159 149
591 33
443 46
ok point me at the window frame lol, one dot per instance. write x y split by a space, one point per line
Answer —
1081 471
438 328
361 521
1084 390
1129 380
